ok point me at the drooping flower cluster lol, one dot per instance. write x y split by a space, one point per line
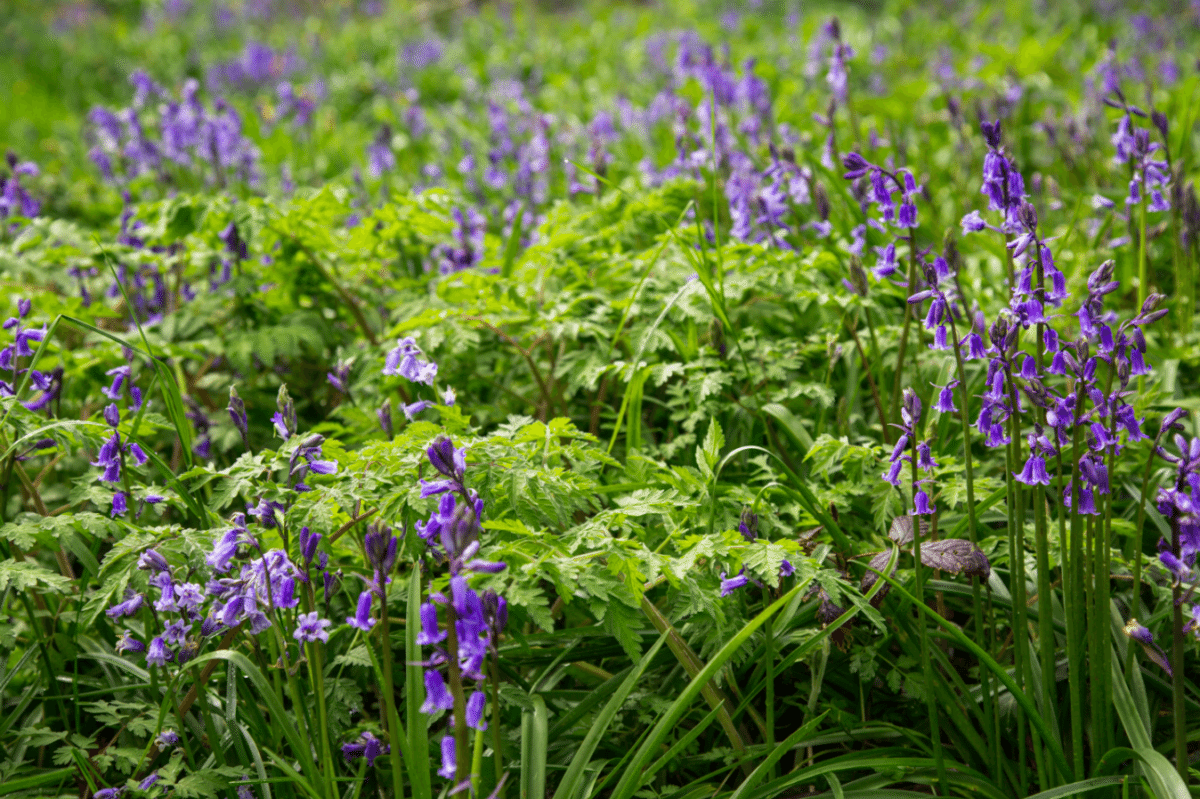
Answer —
405 361
1132 145
452 534
15 199
159 134
49 384
910 450
884 187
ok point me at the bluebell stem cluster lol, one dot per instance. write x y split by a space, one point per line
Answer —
885 188
159 134
48 384
1179 504
15 199
452 535
910 448
467 250
1132 145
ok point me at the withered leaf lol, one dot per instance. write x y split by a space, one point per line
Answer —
955 555
878 561
902 530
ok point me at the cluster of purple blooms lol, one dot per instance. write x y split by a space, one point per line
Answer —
880 188
1179 505
159 134
1132 145
748 527
15 199
452 535
49 384
910 417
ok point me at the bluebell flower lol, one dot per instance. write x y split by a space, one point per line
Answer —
310 628
404 361
362 617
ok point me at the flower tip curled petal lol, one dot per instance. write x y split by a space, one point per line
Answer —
151 560
449 762
109 793
922 505
786 569
430 633
362 617
167 738
475 705
728 586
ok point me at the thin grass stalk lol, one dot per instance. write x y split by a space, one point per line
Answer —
1074 599
1178 718
926 665
497 739
1047 650
769 668
1135 553
456 691
389 693
1016 543
972 532
894 410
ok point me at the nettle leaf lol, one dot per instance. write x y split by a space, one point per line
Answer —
22 575
622 622
764 559
207 783
710 384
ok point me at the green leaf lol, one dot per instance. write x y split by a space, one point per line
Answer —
599 727
631 779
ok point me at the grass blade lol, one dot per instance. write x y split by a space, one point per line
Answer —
631 779
575 769
534 742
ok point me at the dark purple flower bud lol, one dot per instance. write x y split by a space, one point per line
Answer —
748 525
380 546
460 532
112 415
150 559
475 705
1160 121
237 412
385 418
234 242
448 460
308 544
855 165
991 133
1172 421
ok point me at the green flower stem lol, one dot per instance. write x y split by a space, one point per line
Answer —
389 695
497 739
316 671
1075 604
456 691
972 531
769 666
1135 551
926 666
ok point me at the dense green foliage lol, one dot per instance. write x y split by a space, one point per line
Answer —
665 342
